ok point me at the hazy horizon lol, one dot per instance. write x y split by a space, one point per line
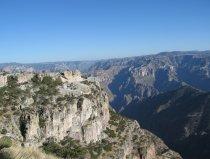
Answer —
47 31
102 58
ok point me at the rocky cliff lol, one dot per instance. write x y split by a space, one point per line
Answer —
69 116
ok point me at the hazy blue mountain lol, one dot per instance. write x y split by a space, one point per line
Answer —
47 66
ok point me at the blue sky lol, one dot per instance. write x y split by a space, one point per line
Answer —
57 30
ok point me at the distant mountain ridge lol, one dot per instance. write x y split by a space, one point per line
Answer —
185 52
83 66
47 66
140 77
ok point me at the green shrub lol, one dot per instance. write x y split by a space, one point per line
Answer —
48 80
23 126
114 116
12 81
110 133
58 81
67 148
5 142
113 122
3 131
42 122
79 103
96 149
5 155
108 147
51 147
60 99
47 86
2 96
36 80
9 94
121 125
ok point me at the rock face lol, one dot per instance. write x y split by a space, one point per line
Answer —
82 118
77 124
45 107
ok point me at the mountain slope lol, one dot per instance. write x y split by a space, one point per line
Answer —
180 117
67 115
137 78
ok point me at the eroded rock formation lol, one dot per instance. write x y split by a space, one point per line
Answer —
63 106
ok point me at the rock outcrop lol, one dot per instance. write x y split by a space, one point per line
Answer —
83 118
63 108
